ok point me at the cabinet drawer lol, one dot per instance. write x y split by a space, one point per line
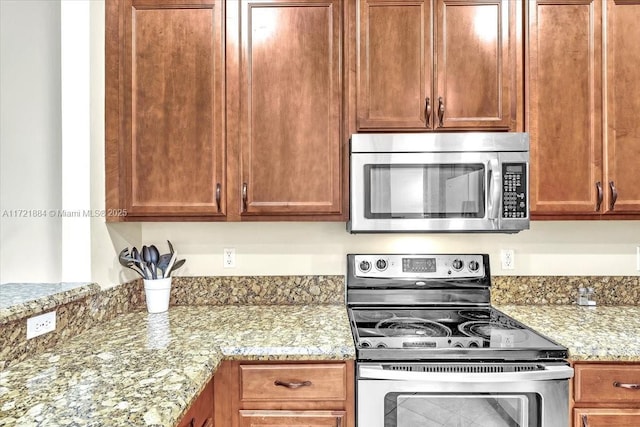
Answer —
293 382
606 417
596 383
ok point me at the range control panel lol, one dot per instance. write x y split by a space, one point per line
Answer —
437 266
514 193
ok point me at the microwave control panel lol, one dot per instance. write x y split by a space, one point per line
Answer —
514 193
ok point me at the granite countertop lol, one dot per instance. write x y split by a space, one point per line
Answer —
18 300
600 333
145 369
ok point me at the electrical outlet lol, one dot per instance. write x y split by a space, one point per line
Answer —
38 325
229 257
508 258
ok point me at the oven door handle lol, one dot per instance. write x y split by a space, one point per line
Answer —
376 372
495 188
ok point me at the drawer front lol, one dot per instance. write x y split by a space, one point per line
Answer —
603 383
293 382
606 418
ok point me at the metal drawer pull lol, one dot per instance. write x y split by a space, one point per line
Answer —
339 422
599 189
625 385
614 195
244 197
289 384
427 111
218 196
585 422
440 112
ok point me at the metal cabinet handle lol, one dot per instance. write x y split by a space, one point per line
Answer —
626 385
244 197
339 422
614 195
585 422
440 112
427 111
218 196
599 190
289 384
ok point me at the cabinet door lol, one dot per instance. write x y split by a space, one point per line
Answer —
292 418
623 107
172 108
565 106
200 414
606 417
394 65
475 65
290 107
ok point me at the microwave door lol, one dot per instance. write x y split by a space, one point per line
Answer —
417 192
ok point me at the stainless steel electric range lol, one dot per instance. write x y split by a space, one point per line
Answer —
431 351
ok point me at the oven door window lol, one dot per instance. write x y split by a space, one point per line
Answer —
425 191
455 410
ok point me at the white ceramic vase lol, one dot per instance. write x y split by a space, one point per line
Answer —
157 292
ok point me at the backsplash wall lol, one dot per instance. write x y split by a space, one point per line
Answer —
549 248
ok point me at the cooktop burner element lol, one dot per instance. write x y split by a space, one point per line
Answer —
401 310
411 326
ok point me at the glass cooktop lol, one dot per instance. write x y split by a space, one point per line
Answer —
438 330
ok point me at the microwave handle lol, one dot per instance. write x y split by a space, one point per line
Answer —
495 184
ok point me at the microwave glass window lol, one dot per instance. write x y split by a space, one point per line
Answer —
453 410
400 191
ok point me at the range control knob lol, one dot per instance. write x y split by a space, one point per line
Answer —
365 266
457 265
381 264
474 265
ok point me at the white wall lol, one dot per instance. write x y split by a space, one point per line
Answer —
548 248
30 141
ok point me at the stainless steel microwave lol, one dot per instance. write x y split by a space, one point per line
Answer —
439 182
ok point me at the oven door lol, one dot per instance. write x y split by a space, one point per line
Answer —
414 192
534 396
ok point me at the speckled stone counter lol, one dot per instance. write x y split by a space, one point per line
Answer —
604 333
145 369
18 300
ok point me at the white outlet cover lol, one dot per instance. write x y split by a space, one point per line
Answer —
229 257
507 258
41 324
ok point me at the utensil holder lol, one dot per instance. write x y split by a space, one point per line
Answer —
157 292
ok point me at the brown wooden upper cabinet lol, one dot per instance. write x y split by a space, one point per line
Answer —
165 118
584 101
224 110
438 64
290 108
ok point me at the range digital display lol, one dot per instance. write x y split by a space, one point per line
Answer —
418 265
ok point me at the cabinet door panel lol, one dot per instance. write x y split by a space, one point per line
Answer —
173 89
473 63
565 106
394 69
292 418
623 105
290 104
606 417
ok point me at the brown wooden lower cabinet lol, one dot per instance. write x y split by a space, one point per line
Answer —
602 417
284 394
200 413
606 394
292 418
